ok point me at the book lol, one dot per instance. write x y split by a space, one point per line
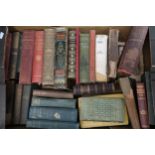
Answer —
101 58
48 57
130 102
90 89
131 54
28 40
53 113
52 93
113 54
142 105
38 57
84 57
44 124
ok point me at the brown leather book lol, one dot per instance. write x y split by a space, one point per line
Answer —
130 102
131 54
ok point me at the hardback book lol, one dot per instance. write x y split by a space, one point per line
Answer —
90 89
71 54
48 57
101 109
142 105
130 102
92 56
2 105
131 54
25 103
45 124
101 58
53 93
17 104
14 55
28 41
113 53
38 57
53 113
61 54
53 102
84 57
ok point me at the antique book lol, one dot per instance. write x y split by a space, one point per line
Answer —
84 57
17 104
25 103
131 54
101 58
49 55
71 54
90 89
14 55
28 40
92 56
45 124
130 102
53 113
113 54
52 93
52 102
61 54
100 108
2 105
38 57
142 105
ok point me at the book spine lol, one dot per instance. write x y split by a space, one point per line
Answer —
142 105
84 57
132 50
49 55
55 114
92 55
27 57
101 58
38 57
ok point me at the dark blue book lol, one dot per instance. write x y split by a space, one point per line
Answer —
55 114
51 102
44 124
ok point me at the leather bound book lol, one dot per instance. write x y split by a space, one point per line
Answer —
49 55
142 105
38 57
101 58
28 41
2 105
130 102
96 89
131 54
113 54
84 57
92 56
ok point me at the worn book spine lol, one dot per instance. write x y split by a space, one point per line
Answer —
44 124
84 57
142 105
55 114
130 102
113 54
52 102
49 57
101 58
27 57
71 54
92 56
38 57
131 54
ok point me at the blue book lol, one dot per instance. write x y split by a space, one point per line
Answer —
51 102
44 124
55 114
